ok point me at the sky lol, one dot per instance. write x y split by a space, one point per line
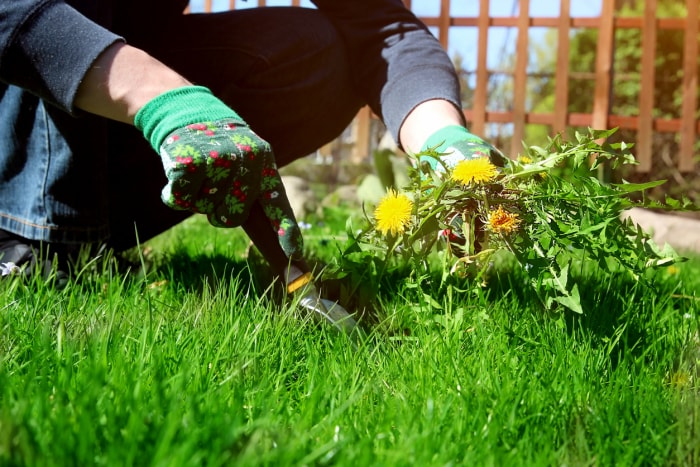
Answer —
463 41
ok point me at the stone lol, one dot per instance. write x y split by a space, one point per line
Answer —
344 195
301 197
682 233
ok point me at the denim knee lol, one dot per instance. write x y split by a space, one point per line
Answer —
52 177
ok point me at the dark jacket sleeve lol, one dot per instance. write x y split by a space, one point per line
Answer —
396 62
47 46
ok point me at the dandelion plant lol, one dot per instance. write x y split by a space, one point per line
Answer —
554 222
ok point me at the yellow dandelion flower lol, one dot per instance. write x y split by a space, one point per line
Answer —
393 213
501 221
525 159
478 170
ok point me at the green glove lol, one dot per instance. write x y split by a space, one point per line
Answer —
215 164
457 144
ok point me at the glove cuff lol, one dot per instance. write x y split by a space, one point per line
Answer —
448 136
177 108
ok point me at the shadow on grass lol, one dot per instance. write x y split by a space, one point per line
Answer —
620 314
195 272
617 313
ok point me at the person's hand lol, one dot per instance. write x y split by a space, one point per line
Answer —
215 164
456 144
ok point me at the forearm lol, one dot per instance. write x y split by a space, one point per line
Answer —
122 80
424 120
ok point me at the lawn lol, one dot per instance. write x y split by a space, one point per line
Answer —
197 362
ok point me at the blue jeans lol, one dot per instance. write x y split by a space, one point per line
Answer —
84 179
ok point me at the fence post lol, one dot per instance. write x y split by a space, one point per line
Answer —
520 79
690 89
478 124
645 129
445 20
603 67
360 131
561 87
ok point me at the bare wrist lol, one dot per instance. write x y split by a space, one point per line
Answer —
424 120
122 80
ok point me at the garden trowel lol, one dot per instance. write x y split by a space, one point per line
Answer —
296 274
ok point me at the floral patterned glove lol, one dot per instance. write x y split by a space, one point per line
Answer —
215 164
455 143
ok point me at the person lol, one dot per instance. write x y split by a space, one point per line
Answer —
119 119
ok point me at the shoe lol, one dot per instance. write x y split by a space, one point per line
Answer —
19 256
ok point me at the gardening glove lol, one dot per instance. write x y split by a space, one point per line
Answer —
455 143
215 164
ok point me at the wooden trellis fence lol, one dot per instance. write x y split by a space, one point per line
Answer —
687 127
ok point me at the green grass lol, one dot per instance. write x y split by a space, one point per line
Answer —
196 364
